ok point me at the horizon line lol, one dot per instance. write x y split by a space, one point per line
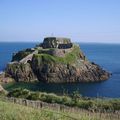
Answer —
90 42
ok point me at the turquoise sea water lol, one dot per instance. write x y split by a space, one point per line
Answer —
106 55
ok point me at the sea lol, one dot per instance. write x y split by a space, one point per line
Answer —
106 55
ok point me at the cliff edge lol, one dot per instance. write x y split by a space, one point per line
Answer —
56 60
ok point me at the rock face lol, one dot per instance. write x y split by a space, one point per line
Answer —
56 60
80 71
21 72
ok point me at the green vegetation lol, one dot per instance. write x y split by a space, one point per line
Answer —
10 111
102 109
69 58
2 91
74 100
21 54
19 112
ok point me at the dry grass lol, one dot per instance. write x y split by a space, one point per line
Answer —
10 111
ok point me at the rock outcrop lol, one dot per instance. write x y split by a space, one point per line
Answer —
79 71
4 78
20 72
56 60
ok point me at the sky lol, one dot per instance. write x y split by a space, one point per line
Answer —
80 20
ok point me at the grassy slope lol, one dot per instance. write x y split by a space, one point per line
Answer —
108 105
69 58
19 112
10 111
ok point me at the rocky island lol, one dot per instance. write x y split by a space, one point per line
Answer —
56 60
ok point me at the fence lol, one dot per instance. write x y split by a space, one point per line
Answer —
40 104
59 107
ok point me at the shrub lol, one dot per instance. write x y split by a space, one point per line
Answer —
20 55
75 99
19 92
66 100
15 93
115 104
76 96
84 104
50 98
33 96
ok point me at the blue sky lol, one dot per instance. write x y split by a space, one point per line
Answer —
81 20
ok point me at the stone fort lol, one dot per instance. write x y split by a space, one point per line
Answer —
56 42
61 46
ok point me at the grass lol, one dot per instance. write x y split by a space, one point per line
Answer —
19 112
73 100
20 55
103 109
68 59
10 111
89 103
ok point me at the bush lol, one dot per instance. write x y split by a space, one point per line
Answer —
74 100
76 96
50 98
115 104
20 55
33 96
19 92
66 100
84 104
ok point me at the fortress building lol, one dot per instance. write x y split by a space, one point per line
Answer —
56 42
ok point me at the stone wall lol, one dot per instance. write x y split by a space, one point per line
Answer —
61 52
54 42
56 52
39 104
65 46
